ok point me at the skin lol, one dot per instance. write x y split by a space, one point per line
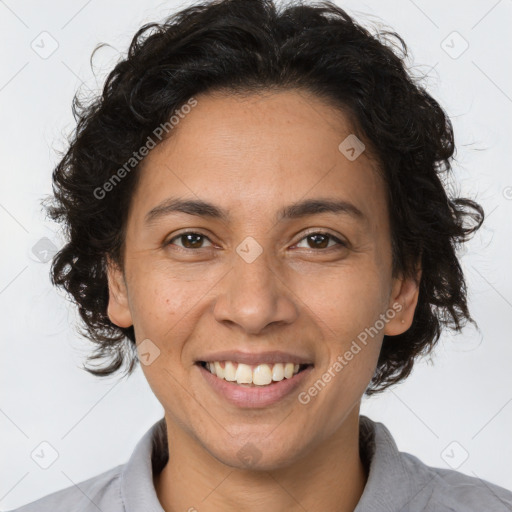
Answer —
252 156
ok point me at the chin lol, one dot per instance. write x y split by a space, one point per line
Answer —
256 455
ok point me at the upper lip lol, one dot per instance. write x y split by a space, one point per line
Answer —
272 357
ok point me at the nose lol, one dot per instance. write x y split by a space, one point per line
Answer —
253 296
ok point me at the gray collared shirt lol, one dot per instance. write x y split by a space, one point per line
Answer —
397 482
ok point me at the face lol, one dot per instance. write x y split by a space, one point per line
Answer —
263 284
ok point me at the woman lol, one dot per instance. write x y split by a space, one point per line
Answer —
256 214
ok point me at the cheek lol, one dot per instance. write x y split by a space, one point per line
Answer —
158 302
339 388
165 311
163 317
349 384
348 309
347 300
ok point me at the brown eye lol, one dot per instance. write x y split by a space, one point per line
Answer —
189 240
320 240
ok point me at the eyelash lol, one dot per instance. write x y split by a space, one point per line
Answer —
322 233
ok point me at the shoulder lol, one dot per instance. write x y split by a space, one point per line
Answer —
398 480
99 492
449 490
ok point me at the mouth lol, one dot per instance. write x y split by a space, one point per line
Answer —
253 386
252 375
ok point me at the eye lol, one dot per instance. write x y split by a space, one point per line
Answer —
319 240
190 240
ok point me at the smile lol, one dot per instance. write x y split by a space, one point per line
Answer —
252 375
244 391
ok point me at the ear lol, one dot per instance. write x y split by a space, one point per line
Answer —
403 300
118 306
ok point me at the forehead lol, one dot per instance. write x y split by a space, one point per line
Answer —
251 155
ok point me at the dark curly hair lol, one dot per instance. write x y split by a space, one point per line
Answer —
250 46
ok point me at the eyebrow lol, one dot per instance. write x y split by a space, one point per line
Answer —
297 210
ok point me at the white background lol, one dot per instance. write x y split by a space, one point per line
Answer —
465 396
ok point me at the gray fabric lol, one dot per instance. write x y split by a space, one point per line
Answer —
397 482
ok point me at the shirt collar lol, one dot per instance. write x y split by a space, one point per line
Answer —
149 456
388 489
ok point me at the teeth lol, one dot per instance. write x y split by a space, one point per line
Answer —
262 375
288 370
244 374
219 371
258 375
278 372
229 371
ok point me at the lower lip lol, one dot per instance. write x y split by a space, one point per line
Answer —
256 396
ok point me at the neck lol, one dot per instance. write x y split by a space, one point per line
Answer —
331 477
